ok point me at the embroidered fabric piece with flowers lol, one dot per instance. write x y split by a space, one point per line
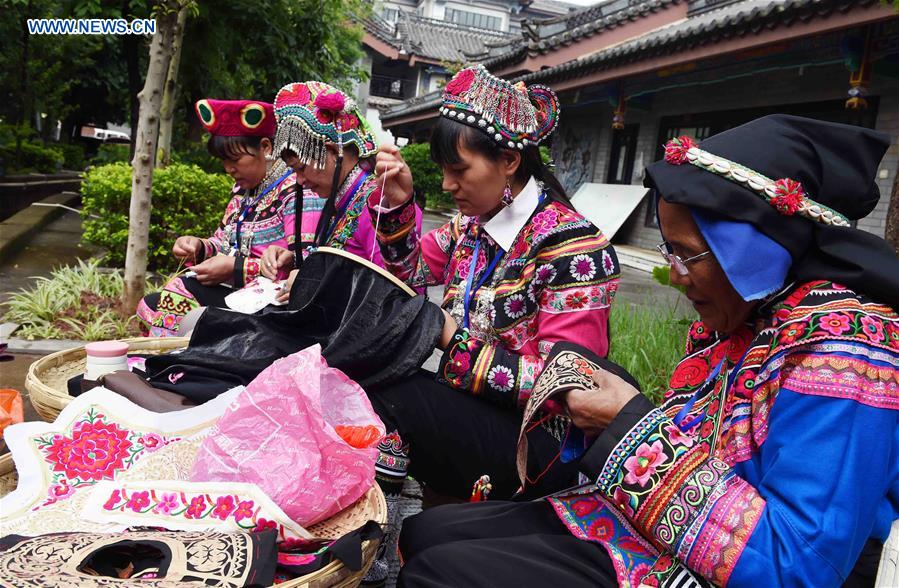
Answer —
98 436
189 506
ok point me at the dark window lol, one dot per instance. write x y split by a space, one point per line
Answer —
624 150
700 126
473 19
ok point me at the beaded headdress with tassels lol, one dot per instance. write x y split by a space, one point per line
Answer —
312 114
513 115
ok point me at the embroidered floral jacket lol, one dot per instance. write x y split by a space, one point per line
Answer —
555 281
270 222
780 471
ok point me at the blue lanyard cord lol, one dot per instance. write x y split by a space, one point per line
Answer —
246 209
685 409
469 291
351 193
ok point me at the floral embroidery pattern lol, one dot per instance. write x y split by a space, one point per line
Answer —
515 306
501 378
643 465
583 268
94 450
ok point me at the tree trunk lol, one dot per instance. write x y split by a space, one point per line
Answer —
167 114
892 231
146 135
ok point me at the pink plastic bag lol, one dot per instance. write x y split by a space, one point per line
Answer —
280 434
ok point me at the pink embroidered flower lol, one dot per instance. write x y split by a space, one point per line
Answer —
514 306
244 510
168 503
113 501
582 267
465 264
638 572
295 94
546 273
197 508
224 506
324 116
151 441
873 329
94 451
745 384
460 83
623 501
545 221
139 501
893 331
677 437
584 506
699 332
263 524
60 491
792 333
169 321
643 465
789 196
501 378
835 324
608 264
348 122
676 149
332 102
459 364
576 300
689 373
602 529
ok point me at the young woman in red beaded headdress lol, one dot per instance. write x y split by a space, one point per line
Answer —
261 214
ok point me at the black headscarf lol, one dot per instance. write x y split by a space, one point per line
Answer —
836 165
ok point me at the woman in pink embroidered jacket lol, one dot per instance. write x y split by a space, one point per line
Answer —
772 459
261 214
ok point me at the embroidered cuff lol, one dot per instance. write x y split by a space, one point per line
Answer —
395 223
596 457
458 359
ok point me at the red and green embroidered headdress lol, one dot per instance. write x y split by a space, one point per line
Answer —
513 115
311 114
236 118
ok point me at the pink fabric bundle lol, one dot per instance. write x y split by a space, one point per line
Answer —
280 434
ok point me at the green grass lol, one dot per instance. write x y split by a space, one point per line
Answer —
75 302
648 342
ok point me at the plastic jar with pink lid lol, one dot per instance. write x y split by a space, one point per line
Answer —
104 357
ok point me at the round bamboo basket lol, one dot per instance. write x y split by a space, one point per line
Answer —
371 506
47 377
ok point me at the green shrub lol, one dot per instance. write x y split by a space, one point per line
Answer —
427 175
73 155
33 157
197 155
186 201
112 153
648 342
75 302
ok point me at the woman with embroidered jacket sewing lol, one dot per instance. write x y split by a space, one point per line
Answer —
772 461
520 270
261 214
324 138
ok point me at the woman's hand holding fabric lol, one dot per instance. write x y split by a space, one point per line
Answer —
276 261
287 286
188 248
215 270
592 410
391 168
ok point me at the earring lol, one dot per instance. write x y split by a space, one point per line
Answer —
507 194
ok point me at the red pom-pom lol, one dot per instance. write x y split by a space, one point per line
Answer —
460 83
789 196
333 102
676 149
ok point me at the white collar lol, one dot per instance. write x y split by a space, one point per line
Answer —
508 222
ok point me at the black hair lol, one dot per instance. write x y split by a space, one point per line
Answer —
233 147
448 135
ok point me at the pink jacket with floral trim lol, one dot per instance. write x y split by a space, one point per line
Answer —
556 283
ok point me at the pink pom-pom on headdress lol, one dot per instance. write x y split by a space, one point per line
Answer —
333 102
676 149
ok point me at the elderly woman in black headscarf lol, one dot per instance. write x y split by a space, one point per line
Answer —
773 459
